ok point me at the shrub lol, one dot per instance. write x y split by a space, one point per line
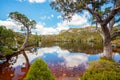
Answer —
102 70
39 71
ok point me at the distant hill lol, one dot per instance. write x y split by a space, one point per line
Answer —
74 35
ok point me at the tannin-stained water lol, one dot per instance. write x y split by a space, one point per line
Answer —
64 64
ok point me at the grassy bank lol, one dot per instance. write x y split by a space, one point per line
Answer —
102 70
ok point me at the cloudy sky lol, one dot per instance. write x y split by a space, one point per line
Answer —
48 20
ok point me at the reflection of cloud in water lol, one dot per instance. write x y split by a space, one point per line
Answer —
60 61
72 59
116 57
51 54
75 60
19 61
55 53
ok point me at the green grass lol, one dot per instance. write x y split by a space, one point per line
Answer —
102 70
39 71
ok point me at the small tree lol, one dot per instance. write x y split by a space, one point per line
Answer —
104 12
26 24
39 71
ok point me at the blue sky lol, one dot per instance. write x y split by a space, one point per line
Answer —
48 21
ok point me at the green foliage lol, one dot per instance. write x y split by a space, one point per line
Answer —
7 42
39 71
27 25
34 39
102 70
6 51
69 8
21 18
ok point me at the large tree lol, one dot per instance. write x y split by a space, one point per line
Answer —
26 23
105 12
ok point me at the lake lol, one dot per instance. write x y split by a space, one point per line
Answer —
67 61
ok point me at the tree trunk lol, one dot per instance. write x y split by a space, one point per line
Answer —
26 40
27 60
107 47
107 51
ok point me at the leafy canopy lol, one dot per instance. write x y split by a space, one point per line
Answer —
99 9
21 18
7 42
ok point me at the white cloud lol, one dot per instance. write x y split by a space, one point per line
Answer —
80 20
77 20
44 30
10 24
47 17
37 1
41 28
62 25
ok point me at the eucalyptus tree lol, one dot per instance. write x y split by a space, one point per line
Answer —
26 23
105 12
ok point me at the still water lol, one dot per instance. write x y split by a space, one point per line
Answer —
65 63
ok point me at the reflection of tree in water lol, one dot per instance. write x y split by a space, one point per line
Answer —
84 47
7 72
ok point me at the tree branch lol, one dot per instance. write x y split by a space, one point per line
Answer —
110 16
115 34
98 16
94 13
111 24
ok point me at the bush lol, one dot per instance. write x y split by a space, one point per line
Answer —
39 71
102 70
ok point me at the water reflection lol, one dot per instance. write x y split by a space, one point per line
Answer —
61 62
65 64
15 67
83 47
